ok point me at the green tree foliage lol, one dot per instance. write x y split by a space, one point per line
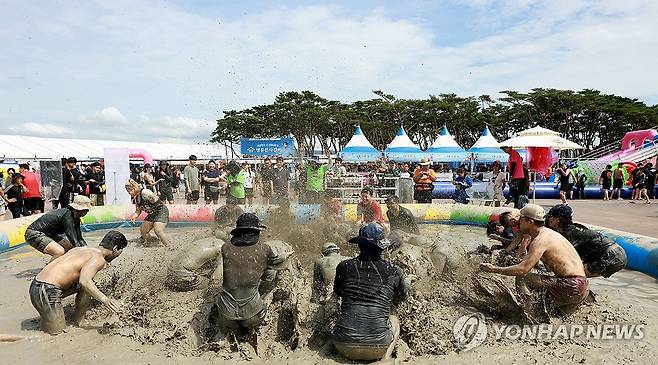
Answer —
587 117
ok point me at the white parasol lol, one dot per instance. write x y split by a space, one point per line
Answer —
540 137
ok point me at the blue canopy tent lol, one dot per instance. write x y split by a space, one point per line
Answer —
486 149
402 149
359 149
445 149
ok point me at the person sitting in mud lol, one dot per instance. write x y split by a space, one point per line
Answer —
192 268
400 218
368 287
246 262
600 256
73 273
568 286
324 272
56 232
225 217
368 209
157 212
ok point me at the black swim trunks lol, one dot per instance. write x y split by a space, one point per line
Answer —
47 300
618 184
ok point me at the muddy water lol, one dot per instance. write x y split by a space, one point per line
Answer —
165 327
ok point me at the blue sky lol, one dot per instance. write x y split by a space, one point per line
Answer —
164 70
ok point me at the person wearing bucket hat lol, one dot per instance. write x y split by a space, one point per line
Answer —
368 287
424 178
568 287
324 272
58 231
246 264
14 195
600 255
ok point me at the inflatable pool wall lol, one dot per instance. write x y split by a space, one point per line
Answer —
642 251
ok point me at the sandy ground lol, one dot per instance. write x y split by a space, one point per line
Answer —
166 327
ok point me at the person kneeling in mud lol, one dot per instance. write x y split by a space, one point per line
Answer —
324 272
568 286
400 218
225 217
246 264
157 212
504 231
57 232
368 287
192 268
73 273
600 256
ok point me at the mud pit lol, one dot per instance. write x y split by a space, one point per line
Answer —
175 324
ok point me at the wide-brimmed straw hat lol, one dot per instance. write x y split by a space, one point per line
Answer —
81 202
247 223
424 162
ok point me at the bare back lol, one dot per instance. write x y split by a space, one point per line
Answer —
558 254
64 271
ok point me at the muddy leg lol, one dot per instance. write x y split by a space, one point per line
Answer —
82 304
159 228
145 229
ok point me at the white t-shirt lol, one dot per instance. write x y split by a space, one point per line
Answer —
248 179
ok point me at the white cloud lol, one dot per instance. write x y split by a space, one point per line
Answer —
148 58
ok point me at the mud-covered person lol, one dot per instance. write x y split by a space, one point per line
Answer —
73 273
368 287
399 217
245 263
324 272
58 231
192 268
157 213
601 256
505 231
568 286
225 218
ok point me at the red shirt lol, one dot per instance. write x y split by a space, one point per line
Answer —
372 212
515 158
32 182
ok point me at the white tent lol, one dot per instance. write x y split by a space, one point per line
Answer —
359 148
446 149
486 149
402 149
38 148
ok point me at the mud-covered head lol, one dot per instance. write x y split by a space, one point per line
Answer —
114 241
393 203
559 216
329 248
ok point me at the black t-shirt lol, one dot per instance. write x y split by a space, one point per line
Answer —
368 290
95 188
404 221
14 192
167 180
589 244
58 222
606 176
211 175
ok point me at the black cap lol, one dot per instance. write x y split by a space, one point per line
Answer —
372 234
71 160
246 223
561 211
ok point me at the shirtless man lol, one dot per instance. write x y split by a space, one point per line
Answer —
324 272
246 262
56 232
225 217
74 273
568 287
194 265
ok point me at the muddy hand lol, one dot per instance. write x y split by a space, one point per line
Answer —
113 305
485 266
